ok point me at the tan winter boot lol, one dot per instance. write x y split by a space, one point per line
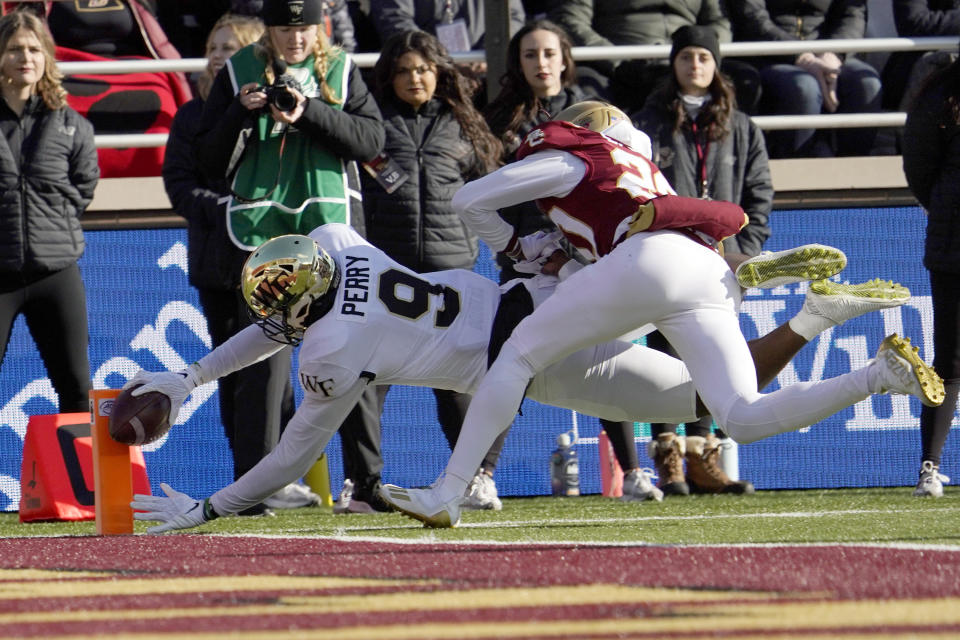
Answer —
667 455
704 474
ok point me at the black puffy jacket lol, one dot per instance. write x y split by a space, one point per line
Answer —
47 180
931 162
214 262
415 225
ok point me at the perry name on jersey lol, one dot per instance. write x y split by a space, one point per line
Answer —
395 326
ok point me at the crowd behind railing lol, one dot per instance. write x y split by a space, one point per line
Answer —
368 60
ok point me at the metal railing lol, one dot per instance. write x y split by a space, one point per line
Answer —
585 54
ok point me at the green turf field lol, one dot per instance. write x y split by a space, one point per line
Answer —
882 515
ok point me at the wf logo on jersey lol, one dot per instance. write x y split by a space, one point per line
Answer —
356 286
315 384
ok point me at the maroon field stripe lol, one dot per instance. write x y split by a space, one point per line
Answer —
847 572
253 623
802 574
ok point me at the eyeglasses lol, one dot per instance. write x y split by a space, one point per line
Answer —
421 70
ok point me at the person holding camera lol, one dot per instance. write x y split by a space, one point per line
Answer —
284 122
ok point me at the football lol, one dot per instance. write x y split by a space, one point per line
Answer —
137 420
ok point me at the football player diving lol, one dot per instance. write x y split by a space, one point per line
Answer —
588 172
360 318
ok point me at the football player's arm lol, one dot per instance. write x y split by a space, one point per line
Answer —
541 175
716 218
244 348
303 440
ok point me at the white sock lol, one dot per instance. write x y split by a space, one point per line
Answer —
809 325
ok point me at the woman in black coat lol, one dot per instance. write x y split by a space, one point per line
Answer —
48 172
931 162
435 142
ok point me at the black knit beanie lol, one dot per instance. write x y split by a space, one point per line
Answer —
292 13
695 36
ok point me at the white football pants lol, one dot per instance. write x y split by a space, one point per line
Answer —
687 292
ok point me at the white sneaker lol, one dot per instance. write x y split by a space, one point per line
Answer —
293 496
808 262
481 494
423 505
931 481
841 302
638 486
342 504
902 371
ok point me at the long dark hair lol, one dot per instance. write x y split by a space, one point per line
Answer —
719 111
453 88
516 103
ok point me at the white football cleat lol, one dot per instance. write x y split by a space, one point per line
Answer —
423 505
902 371
638 486
481 494
841 302
931 481
807 262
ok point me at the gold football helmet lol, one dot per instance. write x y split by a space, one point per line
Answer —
592 114
282 279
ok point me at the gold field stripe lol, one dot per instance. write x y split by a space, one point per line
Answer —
402 601
21 590
745 622
49 574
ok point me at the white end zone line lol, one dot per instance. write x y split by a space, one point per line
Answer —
430 536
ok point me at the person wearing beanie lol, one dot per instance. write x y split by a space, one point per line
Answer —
709 149
284 124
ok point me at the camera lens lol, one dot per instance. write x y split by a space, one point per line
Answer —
283 100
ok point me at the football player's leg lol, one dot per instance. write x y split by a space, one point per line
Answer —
710 343
586 309
619 381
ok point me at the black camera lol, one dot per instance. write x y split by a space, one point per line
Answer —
278 93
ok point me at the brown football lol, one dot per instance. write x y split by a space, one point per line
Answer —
137 420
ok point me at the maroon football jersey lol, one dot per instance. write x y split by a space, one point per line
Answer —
618 180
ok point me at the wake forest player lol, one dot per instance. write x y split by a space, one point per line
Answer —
589 174
364 319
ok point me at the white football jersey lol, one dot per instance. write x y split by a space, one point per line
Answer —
390 325
395 326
